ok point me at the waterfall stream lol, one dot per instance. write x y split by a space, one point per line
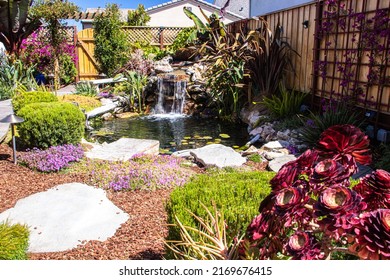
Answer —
171 94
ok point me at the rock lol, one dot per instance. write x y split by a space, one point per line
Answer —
218 155
278 162
250 151
119 110
283 135
163 65
110 106
272 155
62 217
257 130
267 130
183 153
276 145
107 117
124 149
126 115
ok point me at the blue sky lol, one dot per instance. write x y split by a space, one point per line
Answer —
125 4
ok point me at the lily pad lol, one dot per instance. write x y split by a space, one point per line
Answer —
224 135
207 137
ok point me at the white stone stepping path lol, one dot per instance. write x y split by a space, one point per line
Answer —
65 216
123 149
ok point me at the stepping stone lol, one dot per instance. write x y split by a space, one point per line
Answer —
123 149
65 216
218 155
278 162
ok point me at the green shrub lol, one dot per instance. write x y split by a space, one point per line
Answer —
111 46
183 39
23 98
13 241
236 194
51 124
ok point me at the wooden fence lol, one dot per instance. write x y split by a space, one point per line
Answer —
337 58
155 36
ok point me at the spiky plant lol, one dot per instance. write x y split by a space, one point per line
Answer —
211 242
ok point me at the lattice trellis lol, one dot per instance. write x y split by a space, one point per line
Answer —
161 36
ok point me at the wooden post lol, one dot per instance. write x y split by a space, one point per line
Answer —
76 53
161 38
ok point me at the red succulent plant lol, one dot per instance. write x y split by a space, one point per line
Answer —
293 169
304 246
375 189
329 172
311 197
340 140
373 235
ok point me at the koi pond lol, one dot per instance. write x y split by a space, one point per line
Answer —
175 132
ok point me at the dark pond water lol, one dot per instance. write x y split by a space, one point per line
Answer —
174 132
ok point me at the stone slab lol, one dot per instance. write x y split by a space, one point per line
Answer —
65 216
218 155
123 149
278 162
5 110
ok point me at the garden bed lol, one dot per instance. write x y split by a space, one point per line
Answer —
141 237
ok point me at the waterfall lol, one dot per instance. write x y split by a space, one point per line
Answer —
172 90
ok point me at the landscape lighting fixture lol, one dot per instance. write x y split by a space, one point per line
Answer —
13 119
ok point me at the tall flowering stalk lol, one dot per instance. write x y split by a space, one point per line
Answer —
313 211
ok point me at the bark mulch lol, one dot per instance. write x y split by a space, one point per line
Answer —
141 237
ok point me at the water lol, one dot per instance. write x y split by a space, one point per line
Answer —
175 132
171 94
168 124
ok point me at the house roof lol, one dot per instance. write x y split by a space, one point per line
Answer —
175 2
90 13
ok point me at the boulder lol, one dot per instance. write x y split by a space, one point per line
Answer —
278 162
218 155
65 216
163 65
123 149
276 145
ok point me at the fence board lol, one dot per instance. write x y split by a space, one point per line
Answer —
314 51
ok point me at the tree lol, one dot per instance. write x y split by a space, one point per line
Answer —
16 23
111 46
138 17
52 12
